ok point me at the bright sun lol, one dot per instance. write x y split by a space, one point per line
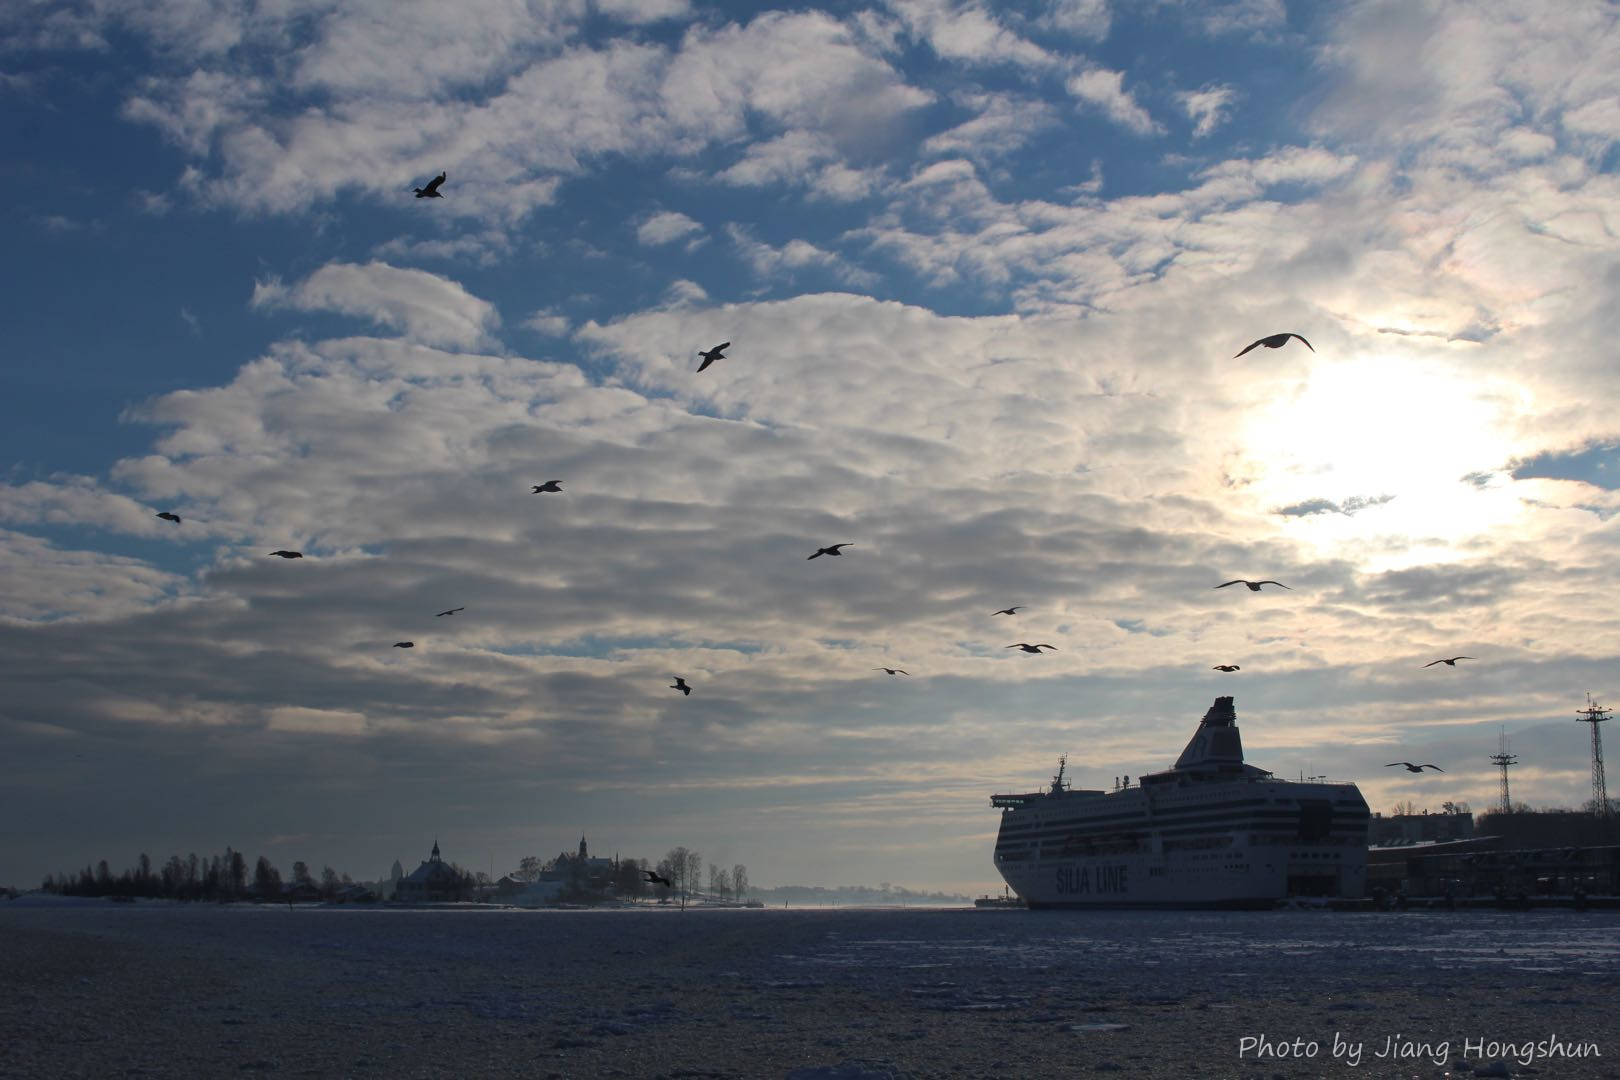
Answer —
1389 443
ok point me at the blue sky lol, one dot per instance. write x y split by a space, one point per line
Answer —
984 269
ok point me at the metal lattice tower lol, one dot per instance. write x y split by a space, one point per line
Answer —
1503 759
1595 714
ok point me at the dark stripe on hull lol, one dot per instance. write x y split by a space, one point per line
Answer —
1263 904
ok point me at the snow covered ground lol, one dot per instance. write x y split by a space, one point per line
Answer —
809 994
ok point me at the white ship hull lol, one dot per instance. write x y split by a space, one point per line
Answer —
1211 832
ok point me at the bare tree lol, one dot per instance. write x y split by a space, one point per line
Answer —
719 880
739 881
676 861
1406 808
694 870
528 870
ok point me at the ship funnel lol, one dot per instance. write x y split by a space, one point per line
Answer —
1216 744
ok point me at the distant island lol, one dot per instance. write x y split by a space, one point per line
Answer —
571 879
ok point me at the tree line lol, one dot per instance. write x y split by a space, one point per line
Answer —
222 877
683 868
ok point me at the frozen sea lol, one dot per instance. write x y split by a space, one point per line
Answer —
149 989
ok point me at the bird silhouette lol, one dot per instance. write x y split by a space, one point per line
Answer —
1414 768
452 611
830 550
1009 610
1036 649
1276 341
655 878
285 554
404 644
1451 662
1254 586
432 190
1226 667
166 516
549 485
680 684
711 355
893 670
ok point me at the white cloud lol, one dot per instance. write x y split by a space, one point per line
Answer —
797 254
958 30
666 227
427 307
1207 108
1105 89
644 11
1002 123
1087 18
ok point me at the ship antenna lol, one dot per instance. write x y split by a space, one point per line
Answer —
1057 781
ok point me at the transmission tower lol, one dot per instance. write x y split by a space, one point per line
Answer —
1503 759
1595 714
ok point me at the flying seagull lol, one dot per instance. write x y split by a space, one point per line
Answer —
830 550
1036 649
404 644
285 554
1009 610
1276 341
432 190
166 516
549 485
1226 667
680 684
711 355
1414 768
1451 662
893 670
452 611
655 878
1254 586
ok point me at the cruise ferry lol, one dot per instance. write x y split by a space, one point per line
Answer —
1210 832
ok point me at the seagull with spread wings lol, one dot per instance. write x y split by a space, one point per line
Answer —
549 485
1008 610
1036 649
831 549
680 684
1451 662
1414 768
166 516
285 554
432 190
893 670
1254 586
1276 341
711 355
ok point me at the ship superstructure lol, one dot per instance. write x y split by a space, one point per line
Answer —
1212 831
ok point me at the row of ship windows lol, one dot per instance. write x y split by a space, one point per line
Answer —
1197 843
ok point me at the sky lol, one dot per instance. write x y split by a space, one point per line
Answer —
984 269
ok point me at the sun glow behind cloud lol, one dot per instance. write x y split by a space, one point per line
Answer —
1400 435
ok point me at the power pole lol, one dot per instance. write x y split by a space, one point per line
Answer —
1595 714
1503 759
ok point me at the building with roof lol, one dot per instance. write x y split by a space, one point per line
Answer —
434 881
